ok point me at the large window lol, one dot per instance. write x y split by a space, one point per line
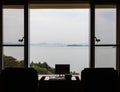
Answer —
76 34
105 36
13 36
59 36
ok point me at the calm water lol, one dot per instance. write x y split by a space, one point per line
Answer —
77 57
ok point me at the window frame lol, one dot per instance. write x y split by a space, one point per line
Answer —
92 25
108 6
92 50
25 45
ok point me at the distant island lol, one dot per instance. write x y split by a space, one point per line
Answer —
57 44
76 45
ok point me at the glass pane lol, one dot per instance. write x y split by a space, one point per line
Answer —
13 56
105 25
59 36
13 24
105 57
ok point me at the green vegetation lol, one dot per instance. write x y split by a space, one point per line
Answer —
42 68
9 61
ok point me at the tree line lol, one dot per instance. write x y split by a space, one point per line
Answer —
42 68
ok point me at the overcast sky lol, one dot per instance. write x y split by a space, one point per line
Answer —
105 25
13 25
69 26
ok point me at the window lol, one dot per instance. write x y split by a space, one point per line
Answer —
105 36
59 36
13 36
60 26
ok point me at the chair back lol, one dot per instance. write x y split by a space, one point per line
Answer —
19 79
99 79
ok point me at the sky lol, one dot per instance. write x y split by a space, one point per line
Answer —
67 26
13 25
70 26
105 25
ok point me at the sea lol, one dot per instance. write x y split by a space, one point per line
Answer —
77 56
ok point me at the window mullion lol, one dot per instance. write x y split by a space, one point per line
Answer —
26 48
92 35
1 35
118 39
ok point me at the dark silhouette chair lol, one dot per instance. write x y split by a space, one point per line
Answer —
19 79
99 80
